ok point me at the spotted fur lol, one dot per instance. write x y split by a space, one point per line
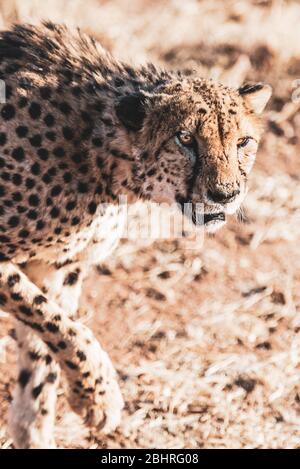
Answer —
78 130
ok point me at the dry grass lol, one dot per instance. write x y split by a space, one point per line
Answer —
206 343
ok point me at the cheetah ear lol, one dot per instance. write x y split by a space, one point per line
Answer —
256 96
131 111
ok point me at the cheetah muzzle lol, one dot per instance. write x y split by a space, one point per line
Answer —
78 130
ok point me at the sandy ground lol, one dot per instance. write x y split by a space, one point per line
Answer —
206 342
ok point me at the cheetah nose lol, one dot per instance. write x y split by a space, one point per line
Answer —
221 196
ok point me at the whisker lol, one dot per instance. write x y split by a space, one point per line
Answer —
242 216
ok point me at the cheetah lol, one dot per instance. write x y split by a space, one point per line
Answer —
78 129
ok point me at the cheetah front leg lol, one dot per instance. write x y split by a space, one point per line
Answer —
32 413
94 392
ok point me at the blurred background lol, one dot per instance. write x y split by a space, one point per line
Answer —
206 343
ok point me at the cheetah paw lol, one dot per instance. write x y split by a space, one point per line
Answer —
95 394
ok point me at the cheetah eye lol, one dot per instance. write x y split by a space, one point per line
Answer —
186 138
188 144
243 142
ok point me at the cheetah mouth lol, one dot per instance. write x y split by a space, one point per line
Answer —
213 217
197 214
212 222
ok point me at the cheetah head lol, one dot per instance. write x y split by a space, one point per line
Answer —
195 141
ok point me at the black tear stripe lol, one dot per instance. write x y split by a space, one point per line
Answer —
197 170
